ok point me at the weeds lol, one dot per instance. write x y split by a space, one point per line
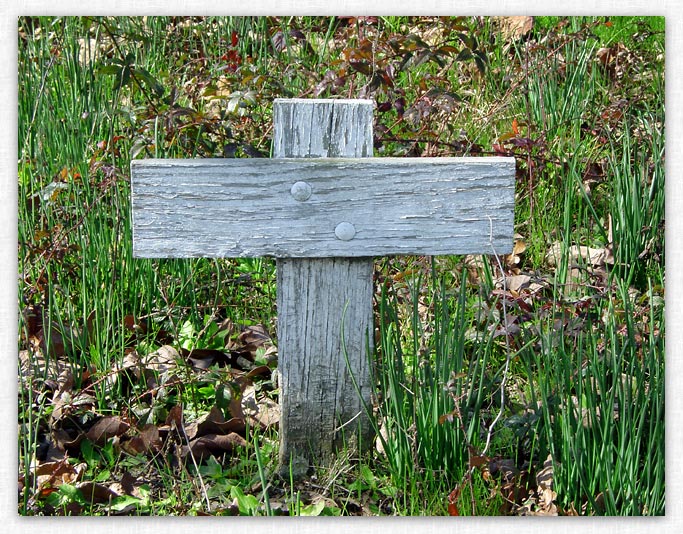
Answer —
533 386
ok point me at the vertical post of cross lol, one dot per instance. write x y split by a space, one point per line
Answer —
325 321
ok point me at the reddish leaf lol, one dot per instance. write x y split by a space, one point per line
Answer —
453 497
175 417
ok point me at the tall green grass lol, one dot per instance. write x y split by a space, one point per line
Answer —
75 254
597 398
601 399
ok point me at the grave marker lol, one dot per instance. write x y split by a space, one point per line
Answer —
323 207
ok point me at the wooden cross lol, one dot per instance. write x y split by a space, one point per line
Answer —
323 207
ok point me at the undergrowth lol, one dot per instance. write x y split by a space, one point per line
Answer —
531 383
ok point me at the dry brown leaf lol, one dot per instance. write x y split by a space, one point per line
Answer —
213 423
514 258
96 493
546 495
595 257
148 440
505 467
54 474
474 264
514 28
213 444
106 428
162 360
265 411
517 282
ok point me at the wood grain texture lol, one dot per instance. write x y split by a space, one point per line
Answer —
325 320
320 128
345 208
245 207
325 326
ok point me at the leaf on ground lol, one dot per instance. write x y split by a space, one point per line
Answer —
475 264
517 282
546 495
106 428
156 366
147 440
96 493
504 467
213 444
476 459
453 498
162 360
264 411
50 475
595 257
174 419
213 423
260 371
544 478
514 28
202 359
253 337
513 259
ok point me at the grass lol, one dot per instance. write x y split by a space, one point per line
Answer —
478 384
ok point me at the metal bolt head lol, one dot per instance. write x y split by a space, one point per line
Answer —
345 231
301 191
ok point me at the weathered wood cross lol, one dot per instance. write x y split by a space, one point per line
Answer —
324 207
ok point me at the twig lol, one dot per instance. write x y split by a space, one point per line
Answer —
507 344
348 422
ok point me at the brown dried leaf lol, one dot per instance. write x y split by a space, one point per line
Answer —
204 358
544 478
54 474
65 440
476 459
147 440
96 493
517 282
162 360
514 28
475 265
213 444
251 339
505 467
546 495
596 257
260 371
213 423
264 412
174 419
106 428
513 259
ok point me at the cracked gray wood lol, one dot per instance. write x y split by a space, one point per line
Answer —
325 321
291 208
323 207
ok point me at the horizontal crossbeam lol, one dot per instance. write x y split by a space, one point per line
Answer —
308 208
